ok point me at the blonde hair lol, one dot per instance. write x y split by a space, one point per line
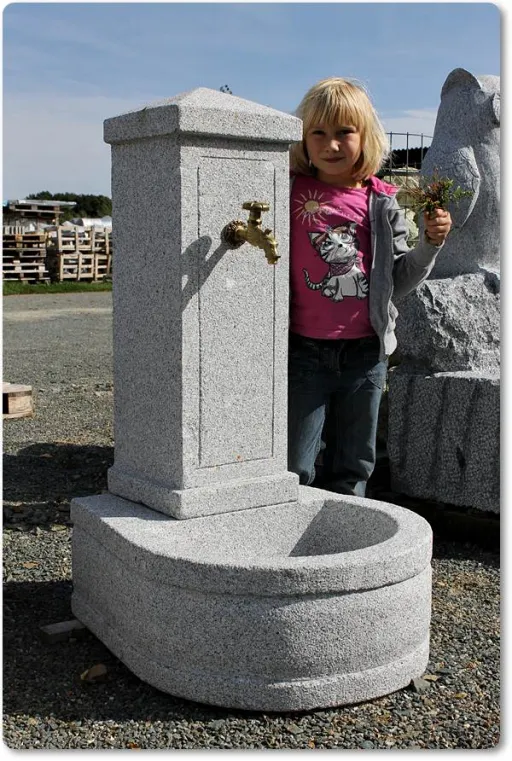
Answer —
334 102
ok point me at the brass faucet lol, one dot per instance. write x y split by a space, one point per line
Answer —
236 233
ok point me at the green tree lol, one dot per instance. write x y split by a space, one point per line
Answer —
86 205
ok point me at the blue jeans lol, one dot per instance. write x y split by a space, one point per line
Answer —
346 378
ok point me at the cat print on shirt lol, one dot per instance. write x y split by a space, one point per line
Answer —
337 247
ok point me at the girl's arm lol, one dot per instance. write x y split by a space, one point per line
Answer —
412 266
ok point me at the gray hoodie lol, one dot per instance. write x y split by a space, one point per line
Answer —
396 269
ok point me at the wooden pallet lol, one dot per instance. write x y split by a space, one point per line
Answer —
16 400
79 254
24 240
24 257
15 270
25 270
78 265
62 254
81 240
14 230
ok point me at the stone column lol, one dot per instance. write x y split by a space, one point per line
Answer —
200 330
444 398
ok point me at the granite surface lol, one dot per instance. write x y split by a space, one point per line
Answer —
200 330
204 112
451 324
320 603
444 437
466 148
444 403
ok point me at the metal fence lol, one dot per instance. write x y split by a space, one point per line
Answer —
402 168
419 137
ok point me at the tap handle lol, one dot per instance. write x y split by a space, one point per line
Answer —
256 205
255 209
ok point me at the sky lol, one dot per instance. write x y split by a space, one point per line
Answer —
68 66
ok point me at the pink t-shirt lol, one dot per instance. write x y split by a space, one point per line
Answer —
330 260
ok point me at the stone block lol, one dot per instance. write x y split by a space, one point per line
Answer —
444 437
62 631
200 330
204 113
280 608
451 325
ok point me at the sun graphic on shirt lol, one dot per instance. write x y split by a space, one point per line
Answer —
310 208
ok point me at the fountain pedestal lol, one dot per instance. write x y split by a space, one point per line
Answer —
267 596
200 330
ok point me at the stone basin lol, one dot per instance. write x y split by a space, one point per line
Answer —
295 606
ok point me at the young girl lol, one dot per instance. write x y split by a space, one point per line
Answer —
349 259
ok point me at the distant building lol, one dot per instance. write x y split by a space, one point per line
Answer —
406 157
33 214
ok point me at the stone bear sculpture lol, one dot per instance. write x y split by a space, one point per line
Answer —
466 148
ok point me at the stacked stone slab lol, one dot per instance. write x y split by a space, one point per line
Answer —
444 396
206 569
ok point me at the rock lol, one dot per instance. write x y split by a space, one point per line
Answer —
420 685
61 631
451 325
466 148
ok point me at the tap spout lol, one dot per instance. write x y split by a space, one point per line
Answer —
253 234
237 232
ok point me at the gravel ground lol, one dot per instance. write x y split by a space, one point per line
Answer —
61 346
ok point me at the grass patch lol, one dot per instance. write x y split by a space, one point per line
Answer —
11 288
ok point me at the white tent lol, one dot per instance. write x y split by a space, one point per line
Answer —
88 222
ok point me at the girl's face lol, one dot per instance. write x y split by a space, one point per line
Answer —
334 151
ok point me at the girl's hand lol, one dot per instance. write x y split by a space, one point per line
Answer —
437 226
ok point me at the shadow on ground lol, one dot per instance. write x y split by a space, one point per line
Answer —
45 679
40 481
